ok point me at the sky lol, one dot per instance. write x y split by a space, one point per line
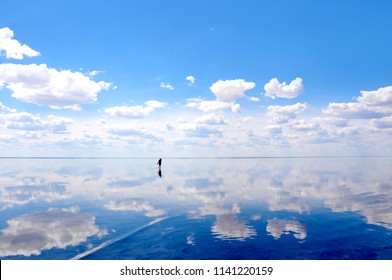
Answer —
195 78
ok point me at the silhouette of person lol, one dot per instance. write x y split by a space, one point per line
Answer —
159 167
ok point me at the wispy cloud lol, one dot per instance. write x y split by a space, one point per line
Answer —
166 86
191 80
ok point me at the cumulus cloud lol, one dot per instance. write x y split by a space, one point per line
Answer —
275 89
29 122
58 124
230 90
212 119
235 108
56 228
207 106
306 125
202 131
355 110
135 204
155 104
41 85
191 80
274 129
167 86
226 93
384 122
370 105
135 112
380 97
12 48
282 114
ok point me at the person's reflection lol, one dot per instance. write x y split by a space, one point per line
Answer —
159 167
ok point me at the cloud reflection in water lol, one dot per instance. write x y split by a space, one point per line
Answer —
30 234
242 198
229 227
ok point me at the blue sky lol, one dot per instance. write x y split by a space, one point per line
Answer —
186 78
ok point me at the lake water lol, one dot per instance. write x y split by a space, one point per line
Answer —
251 208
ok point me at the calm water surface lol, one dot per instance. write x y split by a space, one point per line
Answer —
264 208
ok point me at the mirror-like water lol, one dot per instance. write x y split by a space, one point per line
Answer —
259 208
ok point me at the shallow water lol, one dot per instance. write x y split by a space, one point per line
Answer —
251 208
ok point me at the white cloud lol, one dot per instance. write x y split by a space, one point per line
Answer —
58 124
45 86
384 122
135 204
282 114
226 93
306 125
155 104
56 228
274 129
275 89
380 97
354 110
191 80
94 73
167 86
229 90
254 99
181 120
135 112
207 106
29 122
202 131
169 126
235 108
131 132
212 119
370 105
101 122
12 48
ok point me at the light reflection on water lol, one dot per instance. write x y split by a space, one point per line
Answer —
271 208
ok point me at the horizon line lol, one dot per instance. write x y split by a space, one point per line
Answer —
198 157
